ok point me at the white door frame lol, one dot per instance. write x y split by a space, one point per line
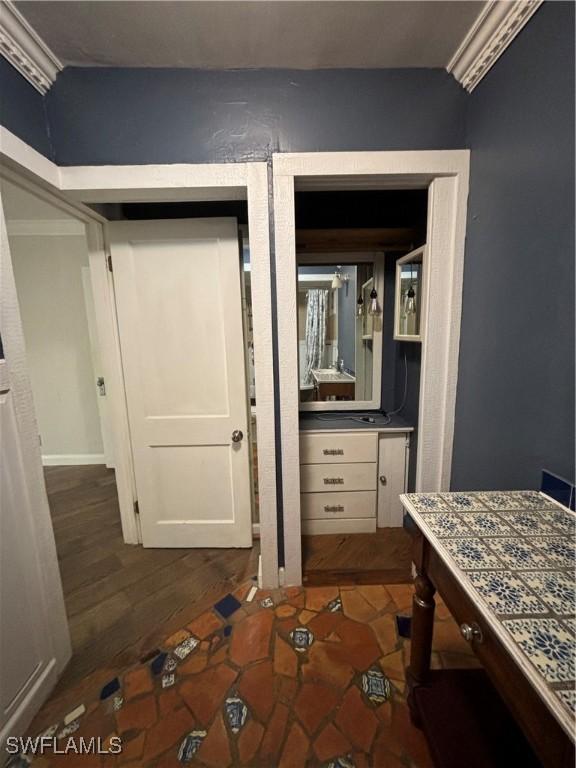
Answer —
74 186
445 174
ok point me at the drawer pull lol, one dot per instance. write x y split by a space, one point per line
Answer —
383 479
333 452
471 632
333 481
333 508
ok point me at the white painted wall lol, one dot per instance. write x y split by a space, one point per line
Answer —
48 273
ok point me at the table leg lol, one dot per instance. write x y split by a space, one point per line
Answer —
421 638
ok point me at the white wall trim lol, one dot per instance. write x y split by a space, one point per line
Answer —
490 35
446 173
72 459
25 49
45 228
168 183
28 161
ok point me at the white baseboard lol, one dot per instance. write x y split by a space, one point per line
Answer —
63 460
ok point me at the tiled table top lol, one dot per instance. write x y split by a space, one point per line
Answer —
513 552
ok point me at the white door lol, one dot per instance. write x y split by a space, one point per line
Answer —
178 298
27 665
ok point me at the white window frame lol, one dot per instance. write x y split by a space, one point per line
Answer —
74 186
446 175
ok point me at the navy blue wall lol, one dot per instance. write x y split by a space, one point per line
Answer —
515 407
22 109
172 115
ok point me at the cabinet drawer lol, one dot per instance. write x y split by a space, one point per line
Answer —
336 448
329 506
337 477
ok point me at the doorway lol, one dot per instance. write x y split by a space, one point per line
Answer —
116 596
444 176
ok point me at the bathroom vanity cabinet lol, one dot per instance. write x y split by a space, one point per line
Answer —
351 475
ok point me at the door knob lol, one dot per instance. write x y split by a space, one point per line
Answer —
237 435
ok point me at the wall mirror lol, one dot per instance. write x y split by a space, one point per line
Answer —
340 299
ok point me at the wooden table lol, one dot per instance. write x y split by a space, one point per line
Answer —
503 562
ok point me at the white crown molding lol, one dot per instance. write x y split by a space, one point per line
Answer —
488 38
44 227
25 49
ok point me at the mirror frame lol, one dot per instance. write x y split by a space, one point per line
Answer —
344 258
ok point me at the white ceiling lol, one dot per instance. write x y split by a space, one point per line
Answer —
218 34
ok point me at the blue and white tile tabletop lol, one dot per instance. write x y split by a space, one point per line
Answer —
514 554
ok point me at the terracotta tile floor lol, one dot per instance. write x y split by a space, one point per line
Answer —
296 677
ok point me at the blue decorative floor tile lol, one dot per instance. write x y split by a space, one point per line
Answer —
335 605
158 664
517 553
227 606
447 524
505 593
69 729
376 686
48 733
548 645
227 630
488 524
536 500
563 521
301 638
560 551
267 602
471 554
463 502
428 502
237 712
530 523
555 588
110 688
190 746
404 625
501 500
344 761
170 664
185 648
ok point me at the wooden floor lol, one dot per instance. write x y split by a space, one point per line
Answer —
122 600
383 557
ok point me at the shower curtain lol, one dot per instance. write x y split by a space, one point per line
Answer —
315 330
